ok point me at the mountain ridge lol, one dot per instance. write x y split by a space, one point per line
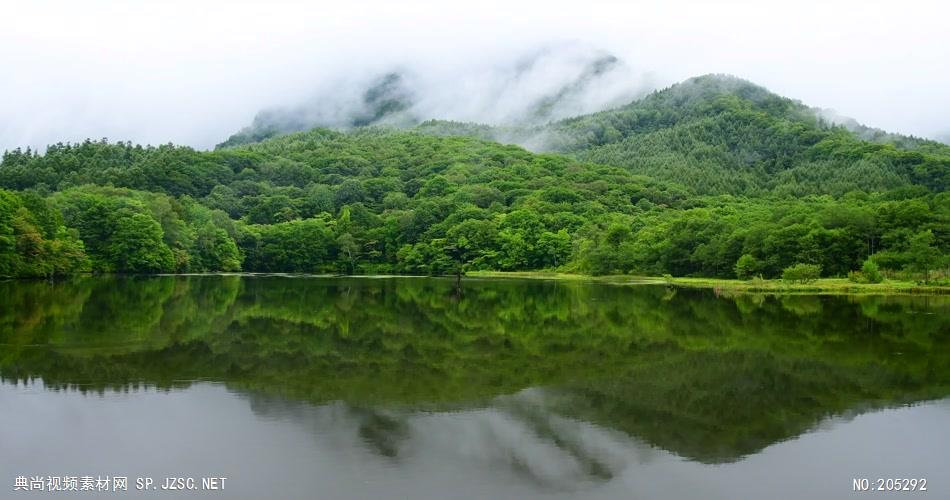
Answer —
714 177
538 87
720 134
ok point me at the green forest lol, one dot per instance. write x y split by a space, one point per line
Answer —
713 177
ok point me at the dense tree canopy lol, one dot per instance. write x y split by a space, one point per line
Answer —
722 135
712 177
718 134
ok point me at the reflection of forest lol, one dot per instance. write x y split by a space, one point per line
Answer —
711 378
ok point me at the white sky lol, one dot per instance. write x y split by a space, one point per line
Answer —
193 72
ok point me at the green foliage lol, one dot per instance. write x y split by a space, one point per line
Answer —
801 273
745 183
722 135
34 242
170 169
138 232
137 244
871 272
923 255
303 246
747 266
718 134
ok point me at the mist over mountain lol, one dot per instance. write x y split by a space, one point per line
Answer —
719 134
874 134
716 133
690 180
545 85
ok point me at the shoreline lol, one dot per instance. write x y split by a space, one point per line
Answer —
822 286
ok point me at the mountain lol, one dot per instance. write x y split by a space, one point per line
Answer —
713 134
532 89
877 135
691 180
383 100
718 134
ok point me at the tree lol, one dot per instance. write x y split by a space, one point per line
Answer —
922 253
555 247
519 233
747 266
801 273
349 250
9 260
34 242
350 191
475 242
216 250
137 246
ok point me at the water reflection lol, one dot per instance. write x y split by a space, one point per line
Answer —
512 447
513 432
555 380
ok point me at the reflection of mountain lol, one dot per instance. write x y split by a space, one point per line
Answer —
518 432
710 378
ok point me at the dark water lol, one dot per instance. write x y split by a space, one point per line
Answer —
407 388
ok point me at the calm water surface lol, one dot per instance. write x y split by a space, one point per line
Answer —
409 388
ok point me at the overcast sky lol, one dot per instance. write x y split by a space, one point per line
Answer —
195 71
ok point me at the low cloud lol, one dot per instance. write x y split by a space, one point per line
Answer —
532 88
195 71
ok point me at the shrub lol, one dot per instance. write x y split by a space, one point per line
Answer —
871 272
801 273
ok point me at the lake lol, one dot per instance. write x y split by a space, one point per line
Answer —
311 387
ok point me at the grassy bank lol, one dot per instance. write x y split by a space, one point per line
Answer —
821 286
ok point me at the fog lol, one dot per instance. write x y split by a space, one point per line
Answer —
552 82
196 72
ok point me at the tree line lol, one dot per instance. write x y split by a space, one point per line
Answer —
385 201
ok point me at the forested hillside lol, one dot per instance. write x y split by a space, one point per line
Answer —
718 134
713 177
